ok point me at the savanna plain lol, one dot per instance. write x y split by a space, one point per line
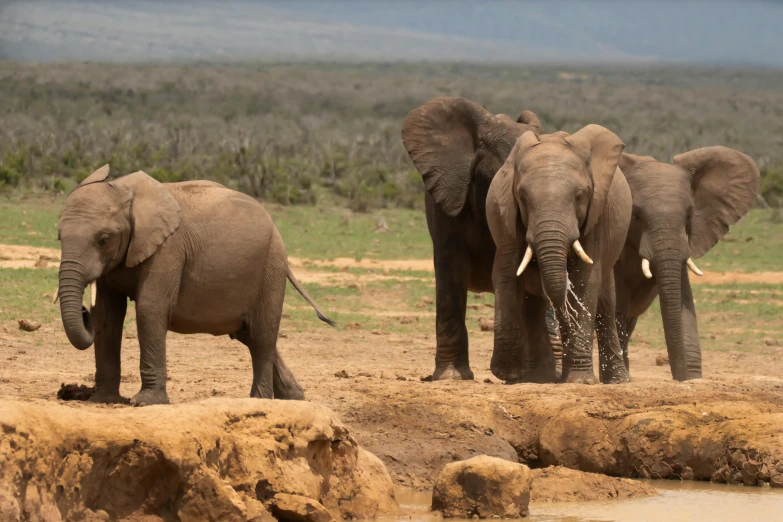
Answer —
325 159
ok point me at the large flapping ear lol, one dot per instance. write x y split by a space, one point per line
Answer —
96 177
629 161
155 215
725 184
530 118
447 138
603 148
502 201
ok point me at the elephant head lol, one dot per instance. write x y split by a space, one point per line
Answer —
680 211
549 193
103 225
454 142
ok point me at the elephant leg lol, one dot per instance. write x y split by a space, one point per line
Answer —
579 318
284 384
612 369
509 353
262 334
452 273
540 358
152 322
625 328
108 317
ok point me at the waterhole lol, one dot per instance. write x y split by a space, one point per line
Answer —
679 501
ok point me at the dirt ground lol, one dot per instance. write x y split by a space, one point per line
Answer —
373 380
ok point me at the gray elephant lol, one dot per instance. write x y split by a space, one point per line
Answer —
457 146
196 257
559 211
680 211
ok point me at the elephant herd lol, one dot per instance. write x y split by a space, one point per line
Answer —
570 226
573 236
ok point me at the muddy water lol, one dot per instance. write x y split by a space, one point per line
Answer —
679 501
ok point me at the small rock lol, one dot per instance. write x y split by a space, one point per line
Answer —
295 508
282 335
488 381
28 326
776 481
401 378
75 392
329 298
769 341
342 374
353 326
488 487
661 360
424 301
41 263
379 332
409 319
486 325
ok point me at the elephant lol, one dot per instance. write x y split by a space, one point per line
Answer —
680 211
562 199
195 256
457 146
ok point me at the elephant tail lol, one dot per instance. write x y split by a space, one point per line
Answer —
303 293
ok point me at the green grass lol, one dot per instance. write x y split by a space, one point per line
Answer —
755 244
30 221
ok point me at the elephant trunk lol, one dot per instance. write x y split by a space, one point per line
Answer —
552 248
76 318
668 269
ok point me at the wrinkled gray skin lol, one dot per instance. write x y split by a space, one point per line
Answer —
457 146
680 210
552 191
196 257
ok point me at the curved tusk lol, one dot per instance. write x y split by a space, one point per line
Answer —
93 294
56 295
646 268
525 261
693 267
581 253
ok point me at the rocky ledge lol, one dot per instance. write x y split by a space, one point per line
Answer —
228 460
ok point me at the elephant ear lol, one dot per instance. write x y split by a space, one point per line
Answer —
530 118
502 200
603 148
155 215
725 184
629 161
448 139
96 177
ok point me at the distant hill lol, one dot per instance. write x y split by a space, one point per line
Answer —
717 32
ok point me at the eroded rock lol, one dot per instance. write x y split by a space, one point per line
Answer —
294 508
559 484
487 487
213 460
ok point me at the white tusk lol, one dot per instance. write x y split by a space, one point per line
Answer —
646 268
56 295
93 294
581 253
525 261
693 267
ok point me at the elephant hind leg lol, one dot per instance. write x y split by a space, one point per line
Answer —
284 383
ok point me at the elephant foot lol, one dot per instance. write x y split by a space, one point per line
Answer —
541 376
452 372
580 377
149 397
108 398
619 375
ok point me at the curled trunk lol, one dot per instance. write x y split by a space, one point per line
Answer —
75 317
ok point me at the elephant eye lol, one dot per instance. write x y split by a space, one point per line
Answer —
103 239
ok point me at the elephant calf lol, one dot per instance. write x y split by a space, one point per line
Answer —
196 257
680 211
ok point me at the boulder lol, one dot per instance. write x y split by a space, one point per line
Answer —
213 460
487 487
294 508
559 484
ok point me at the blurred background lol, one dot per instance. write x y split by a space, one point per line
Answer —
301 101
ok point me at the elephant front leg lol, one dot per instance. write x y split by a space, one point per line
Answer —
108 318
579 319
452 273
625 327
508 355
152 329
613 369
540 364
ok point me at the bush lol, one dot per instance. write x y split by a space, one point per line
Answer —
772 185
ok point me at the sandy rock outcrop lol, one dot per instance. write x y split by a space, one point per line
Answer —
732 442
483 486
228 460
559 484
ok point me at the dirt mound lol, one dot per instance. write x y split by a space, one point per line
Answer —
213 460
559 484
